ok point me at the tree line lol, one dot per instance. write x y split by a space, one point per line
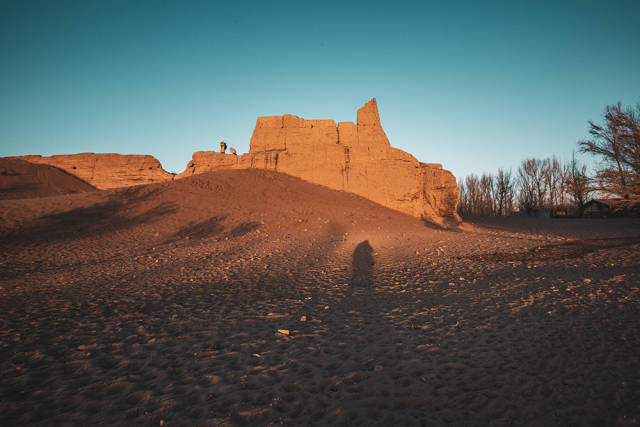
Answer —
554 185
536 184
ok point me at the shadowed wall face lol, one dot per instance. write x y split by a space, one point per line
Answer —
362 265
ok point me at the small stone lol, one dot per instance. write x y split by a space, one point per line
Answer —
303 319
283 331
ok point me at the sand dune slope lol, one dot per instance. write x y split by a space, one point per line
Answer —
251 297
20 180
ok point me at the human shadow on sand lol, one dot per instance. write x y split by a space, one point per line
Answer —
362 266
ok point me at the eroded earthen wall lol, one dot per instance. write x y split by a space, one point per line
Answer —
351 157
105 171
354 157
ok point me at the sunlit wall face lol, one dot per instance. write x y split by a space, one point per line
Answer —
472 86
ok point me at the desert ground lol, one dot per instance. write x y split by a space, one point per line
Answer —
252 298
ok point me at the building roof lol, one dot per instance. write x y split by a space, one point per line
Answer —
616 204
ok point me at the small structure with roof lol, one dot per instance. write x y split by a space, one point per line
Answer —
607 208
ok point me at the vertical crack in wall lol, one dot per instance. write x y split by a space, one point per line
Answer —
346 167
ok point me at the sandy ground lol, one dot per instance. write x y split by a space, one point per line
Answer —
162 305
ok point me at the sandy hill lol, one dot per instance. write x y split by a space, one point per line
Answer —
233 207
20 180
248 297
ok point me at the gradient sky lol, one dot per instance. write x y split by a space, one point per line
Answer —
472 85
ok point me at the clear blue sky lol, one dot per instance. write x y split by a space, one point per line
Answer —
472 85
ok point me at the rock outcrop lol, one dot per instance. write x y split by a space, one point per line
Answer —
351 157
105 171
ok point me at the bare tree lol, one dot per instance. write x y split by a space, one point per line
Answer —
472 184
563 192
486 207
537 172
504 187
532 191
617 143
463 203
577 183
551 172
545 183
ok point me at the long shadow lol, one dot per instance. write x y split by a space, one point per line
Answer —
242 229
561 251
17 191
362 266
213 227
201 230
92 221
300 275
448 225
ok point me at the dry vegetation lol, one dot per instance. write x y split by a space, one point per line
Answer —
161 305
553 185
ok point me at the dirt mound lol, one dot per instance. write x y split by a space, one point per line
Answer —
232 205
248 297
21 180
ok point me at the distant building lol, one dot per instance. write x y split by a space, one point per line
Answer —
607 208
534 213
560 213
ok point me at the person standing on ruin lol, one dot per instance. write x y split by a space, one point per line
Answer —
223 147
